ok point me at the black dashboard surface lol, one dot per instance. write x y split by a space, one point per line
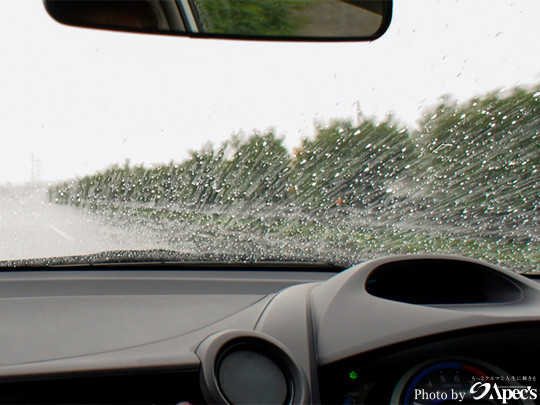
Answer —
161 336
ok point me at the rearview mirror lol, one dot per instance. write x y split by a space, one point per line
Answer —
311 20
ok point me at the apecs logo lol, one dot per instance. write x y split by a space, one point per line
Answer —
481 390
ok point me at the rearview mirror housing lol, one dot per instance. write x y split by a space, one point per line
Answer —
296 20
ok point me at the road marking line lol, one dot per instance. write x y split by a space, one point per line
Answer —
60 232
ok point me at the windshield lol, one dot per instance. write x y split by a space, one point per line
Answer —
426 140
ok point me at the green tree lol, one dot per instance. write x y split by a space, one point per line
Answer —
484 156
258 171
349 164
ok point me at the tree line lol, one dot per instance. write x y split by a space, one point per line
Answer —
481 157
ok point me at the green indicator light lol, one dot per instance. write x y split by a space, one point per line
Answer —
353 375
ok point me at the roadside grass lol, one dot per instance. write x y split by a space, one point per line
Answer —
363 240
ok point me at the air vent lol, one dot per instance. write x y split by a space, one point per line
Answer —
441 282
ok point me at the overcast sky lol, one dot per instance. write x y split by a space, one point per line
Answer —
80 100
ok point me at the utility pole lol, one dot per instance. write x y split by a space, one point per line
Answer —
35 173
359 119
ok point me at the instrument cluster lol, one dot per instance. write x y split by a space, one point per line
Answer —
485 366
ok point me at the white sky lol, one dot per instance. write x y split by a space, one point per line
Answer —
80 100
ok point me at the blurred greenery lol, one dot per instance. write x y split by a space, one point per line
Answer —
465 182
250 17
486 152
353 165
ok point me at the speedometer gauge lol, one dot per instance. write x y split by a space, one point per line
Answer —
456 382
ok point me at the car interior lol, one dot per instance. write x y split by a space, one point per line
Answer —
111 328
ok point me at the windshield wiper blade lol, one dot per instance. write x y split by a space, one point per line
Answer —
172 260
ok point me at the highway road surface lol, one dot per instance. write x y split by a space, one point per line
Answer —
31 227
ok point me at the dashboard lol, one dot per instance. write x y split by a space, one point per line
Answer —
401 329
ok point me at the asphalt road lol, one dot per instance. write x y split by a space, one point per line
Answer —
31 227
